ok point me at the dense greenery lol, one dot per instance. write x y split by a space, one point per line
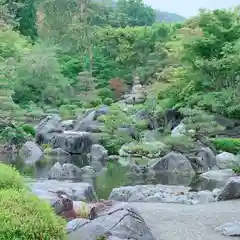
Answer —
23 215
10 178
227 144
65 56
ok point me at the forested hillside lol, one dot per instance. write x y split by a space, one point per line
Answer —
69 55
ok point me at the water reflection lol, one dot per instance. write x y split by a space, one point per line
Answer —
112 176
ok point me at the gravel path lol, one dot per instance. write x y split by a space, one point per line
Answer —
189 222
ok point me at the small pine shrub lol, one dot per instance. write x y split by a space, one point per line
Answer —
23 216
10 178
108 101
231 145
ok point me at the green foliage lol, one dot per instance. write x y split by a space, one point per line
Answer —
207 75
231 145
24 216
13 135
38 77
29 129
10 178
199 124
177 143
108 101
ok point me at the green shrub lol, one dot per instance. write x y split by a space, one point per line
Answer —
23 216
29 129
13 135
231 145
108 101
10 178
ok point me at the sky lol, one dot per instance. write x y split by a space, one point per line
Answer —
188 8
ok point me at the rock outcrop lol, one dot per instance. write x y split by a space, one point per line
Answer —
113 221
73 142
47 128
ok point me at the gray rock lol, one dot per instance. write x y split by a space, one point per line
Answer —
231 190
179 130
226 160
66 171
98 156
31 153
219 175
68 124
47 128
119 221
76 224
229 229
208 158
154 193
59 155
73 142
173 162
80 191
205 197
216 192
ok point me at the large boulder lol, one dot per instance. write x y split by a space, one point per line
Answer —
231 190
226 160
218 175
78 191
98 156
112 220
47 128
73 142
173 162
31 153
66 171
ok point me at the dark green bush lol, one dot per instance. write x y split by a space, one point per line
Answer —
108 101
231 145
23 216
10 178
29 129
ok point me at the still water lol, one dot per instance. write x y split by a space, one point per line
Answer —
112 176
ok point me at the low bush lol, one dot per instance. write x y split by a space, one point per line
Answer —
108 101
231 145
23 216
29 129
10 178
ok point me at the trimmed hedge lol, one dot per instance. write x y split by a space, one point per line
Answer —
231 145
23 216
